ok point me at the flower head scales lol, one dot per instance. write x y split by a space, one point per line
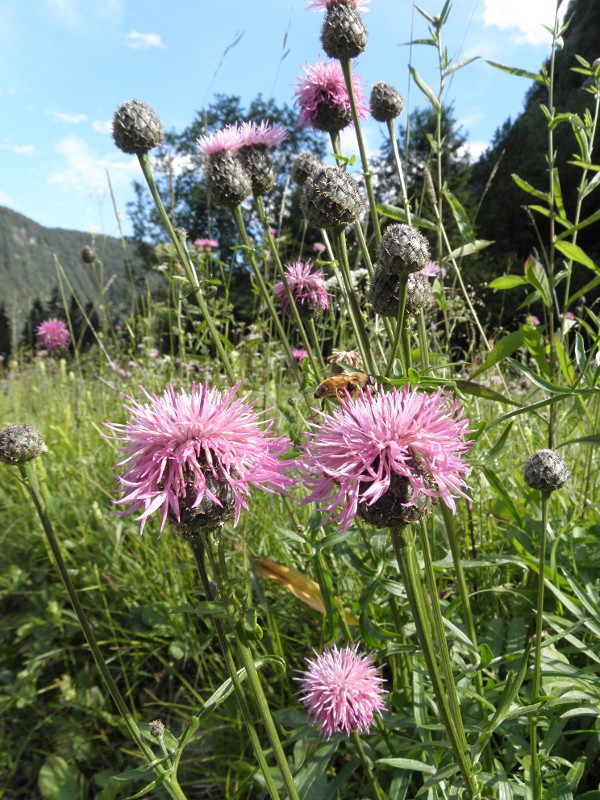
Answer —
355 455
322 91
321 5
53 333
306 286
341 690
179 446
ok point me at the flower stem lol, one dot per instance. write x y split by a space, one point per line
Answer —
403 540
378 792
536 777
391 126
187 266
199 550
30 478
218 563
346 65
398 331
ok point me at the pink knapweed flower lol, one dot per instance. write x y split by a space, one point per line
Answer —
225 140
299 354
321 5
355 455
321 91
307 288
431 270
186 451
262 134
341 690
318 247
206 244
52 334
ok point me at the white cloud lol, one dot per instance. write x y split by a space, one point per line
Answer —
102 126
77 14
19 149
473 149
142 41
524 19
349 145
85 172
72 119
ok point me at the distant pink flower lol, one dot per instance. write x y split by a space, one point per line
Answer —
533 320
206 244
352 455
193 451
299 354
321 93
341 690
264 134
431 270
321 5
225 140
52 334
307 288
318 247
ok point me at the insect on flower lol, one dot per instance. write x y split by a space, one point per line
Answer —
337 385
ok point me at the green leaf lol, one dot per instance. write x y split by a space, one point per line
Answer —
408 764
477 390
537 380
463 223
427 91
521 73
537 277
574 253
500 351
508 282
399 214
485 654
57 780
498 487
527 187
460 65
467 249
592 439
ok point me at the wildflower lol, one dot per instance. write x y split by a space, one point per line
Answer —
52 334
318 248
546 470
88 255
306 286
407 444
136 127
206 244
227 181
299 354
322 5
193 456
20 443
263 134
254 140
341 690
343 34
330 198
403 249
323 100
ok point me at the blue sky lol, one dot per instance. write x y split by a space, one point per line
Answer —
65 66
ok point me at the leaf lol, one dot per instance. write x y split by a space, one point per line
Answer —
427 91
467 249
408 764
574 253
460 65
508 282
537 277
521 73
537 380
500 351
57 780
591 439
527 187
399 214
498 487
477 390
464 224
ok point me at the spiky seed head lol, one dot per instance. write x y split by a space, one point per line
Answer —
384 292
20 443
352 358
396 508
304 165
419 294
386 102
156 728
88 255
136 127
257 163
227 181
546 470
403 249
330 198
343 34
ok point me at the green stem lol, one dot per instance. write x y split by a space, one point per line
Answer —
187 266
423 341
378 792
403 541
402 289
391 126
216 556
30 478
199 550
346 65
536 778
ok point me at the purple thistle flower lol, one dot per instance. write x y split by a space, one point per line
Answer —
307 288
206 244
341 690
299 354
185 451
322 91
52 334
318 247
321 5
431 270
225 140
367 446
263 133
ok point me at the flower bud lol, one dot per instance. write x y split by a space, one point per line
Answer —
343 34
386 102
88 255
20 443
330 198
403 249
546 470
136 127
